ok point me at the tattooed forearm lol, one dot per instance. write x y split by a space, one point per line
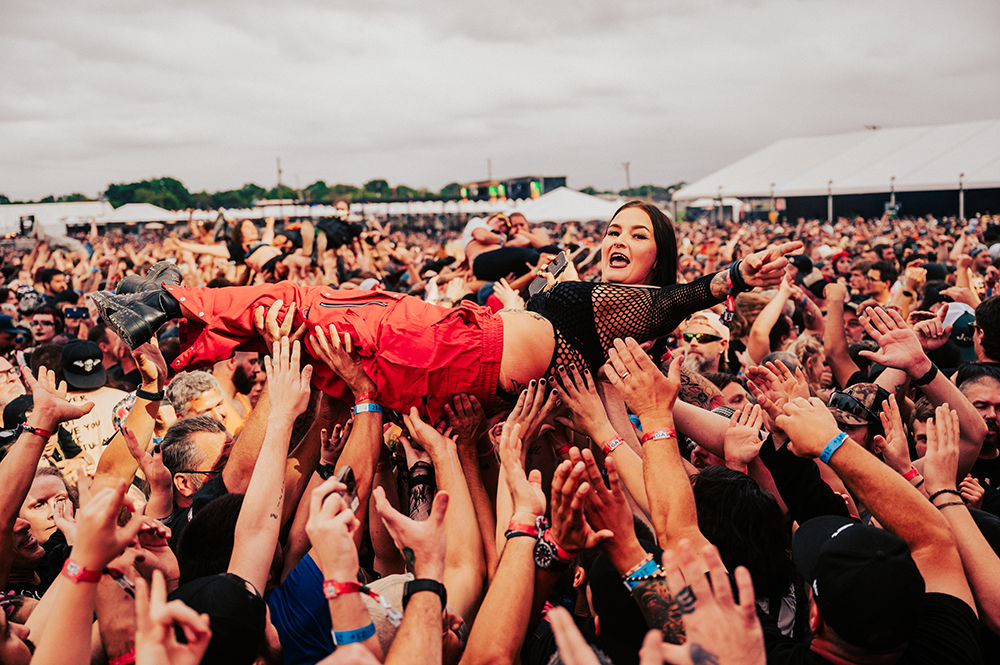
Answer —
697 390
720 285
660 609
422 489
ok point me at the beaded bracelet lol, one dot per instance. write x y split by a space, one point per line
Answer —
944 491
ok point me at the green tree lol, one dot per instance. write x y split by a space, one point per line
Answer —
48 199
75 196
4 200
377 189
452 190
652 191
340 191
203 201
165 192
243 197
316 192
285 193
594 192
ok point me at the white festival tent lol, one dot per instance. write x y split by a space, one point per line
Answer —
903 159
567 205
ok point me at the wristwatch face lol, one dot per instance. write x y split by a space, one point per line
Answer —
544 556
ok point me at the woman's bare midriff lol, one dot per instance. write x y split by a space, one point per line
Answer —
528 344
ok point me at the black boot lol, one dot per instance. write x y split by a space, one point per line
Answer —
163 273
135 317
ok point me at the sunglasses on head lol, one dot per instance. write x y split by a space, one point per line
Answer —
701 338
850 404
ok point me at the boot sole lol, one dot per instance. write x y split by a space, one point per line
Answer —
119 320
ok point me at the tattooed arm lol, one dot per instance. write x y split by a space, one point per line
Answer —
660 608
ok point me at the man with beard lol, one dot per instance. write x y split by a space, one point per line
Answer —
705 341
980 383
236 381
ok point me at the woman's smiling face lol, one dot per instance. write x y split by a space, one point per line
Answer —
628 251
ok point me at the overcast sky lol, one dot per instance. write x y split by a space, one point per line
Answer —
423 93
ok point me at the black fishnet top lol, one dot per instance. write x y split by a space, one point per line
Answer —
589 316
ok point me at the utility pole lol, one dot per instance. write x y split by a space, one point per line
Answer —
281 208
489 170
961 197
628 179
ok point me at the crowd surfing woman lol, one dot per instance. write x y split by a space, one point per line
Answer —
421 355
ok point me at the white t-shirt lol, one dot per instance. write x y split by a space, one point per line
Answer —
474 223
91 431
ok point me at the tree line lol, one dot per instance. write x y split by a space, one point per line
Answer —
171 194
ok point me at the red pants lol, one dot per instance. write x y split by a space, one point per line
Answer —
417 354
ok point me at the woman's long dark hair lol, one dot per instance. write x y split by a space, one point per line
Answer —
665 270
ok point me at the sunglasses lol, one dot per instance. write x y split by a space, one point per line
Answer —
701 338
43 323
852 405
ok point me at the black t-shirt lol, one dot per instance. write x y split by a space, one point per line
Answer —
948 632
539 646
181 517
987 468
236 253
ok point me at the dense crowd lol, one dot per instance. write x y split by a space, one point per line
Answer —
720 443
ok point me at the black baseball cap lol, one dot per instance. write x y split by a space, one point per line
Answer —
865 583
237 616
7 324
82 364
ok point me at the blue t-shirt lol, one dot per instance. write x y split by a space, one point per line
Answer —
300 614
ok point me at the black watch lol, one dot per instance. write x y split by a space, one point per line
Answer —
547 556
416 586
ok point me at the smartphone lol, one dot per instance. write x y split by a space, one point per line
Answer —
346 476
76 313
555 268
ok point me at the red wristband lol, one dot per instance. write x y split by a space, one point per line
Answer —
519 527
659 434
333 589
370 395
611 444
126 658
911 474
38 431
563 450
565 555
383 466
78 573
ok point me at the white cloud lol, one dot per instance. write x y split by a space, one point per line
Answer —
423 93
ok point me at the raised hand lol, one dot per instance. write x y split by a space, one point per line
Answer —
719 630
432 441
767 267
579 395
607 508
570 529
467 419
152 366
288 385
742 441
533 408
421 543
932 333
50 405
525 491
157 623
893 446
941 460
510 298
269 328
339 354
808 424
330 527
899 346
972 492
573 648
643 386
99 539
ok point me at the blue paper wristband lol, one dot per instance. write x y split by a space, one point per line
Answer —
351 636
647 569
367 406
832 447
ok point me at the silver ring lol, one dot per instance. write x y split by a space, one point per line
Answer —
625 374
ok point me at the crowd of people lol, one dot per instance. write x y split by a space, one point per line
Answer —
491 441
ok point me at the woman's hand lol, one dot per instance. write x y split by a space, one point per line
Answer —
467 418
341 357
586 410
533 409
570 529
767 267
649 394
99 538
508 297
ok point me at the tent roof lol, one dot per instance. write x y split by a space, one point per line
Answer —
567 205
924 158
